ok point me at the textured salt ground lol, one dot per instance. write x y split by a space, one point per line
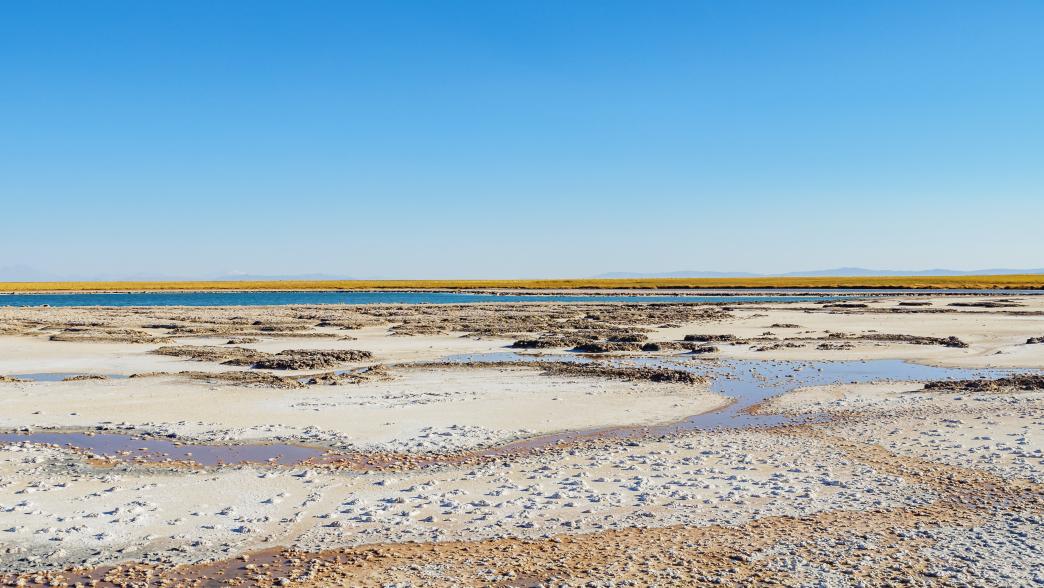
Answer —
938 540
417 409
1000 433
56 510
951 540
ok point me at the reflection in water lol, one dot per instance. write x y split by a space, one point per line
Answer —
748 382
275 298
157 450
59 376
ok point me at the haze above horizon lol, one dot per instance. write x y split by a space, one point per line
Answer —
518 139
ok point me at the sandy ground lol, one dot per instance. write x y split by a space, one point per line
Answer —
418 409
890 483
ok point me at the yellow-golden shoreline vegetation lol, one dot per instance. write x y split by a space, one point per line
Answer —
1011 282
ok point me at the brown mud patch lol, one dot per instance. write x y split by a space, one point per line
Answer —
85 377
290 359
212 353
592 370
1021 382
372 373
577 322
311 359
989 304
236 378
897 338
100 335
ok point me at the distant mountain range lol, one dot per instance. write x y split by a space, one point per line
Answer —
836 272
22 273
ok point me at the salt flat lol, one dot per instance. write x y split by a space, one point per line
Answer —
876 481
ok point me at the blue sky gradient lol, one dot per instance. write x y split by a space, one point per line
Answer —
519 138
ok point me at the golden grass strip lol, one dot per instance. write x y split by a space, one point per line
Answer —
1016 282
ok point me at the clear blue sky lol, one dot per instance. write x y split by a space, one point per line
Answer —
519 138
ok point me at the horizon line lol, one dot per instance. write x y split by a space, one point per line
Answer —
999 281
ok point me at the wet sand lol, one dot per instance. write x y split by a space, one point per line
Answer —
515 474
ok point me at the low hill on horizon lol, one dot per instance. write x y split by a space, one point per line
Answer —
841 272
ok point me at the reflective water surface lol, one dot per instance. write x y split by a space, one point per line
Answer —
59 376
131 448
748 382
327 297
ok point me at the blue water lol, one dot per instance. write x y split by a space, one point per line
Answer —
748 382
282 298
59 376
342 297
